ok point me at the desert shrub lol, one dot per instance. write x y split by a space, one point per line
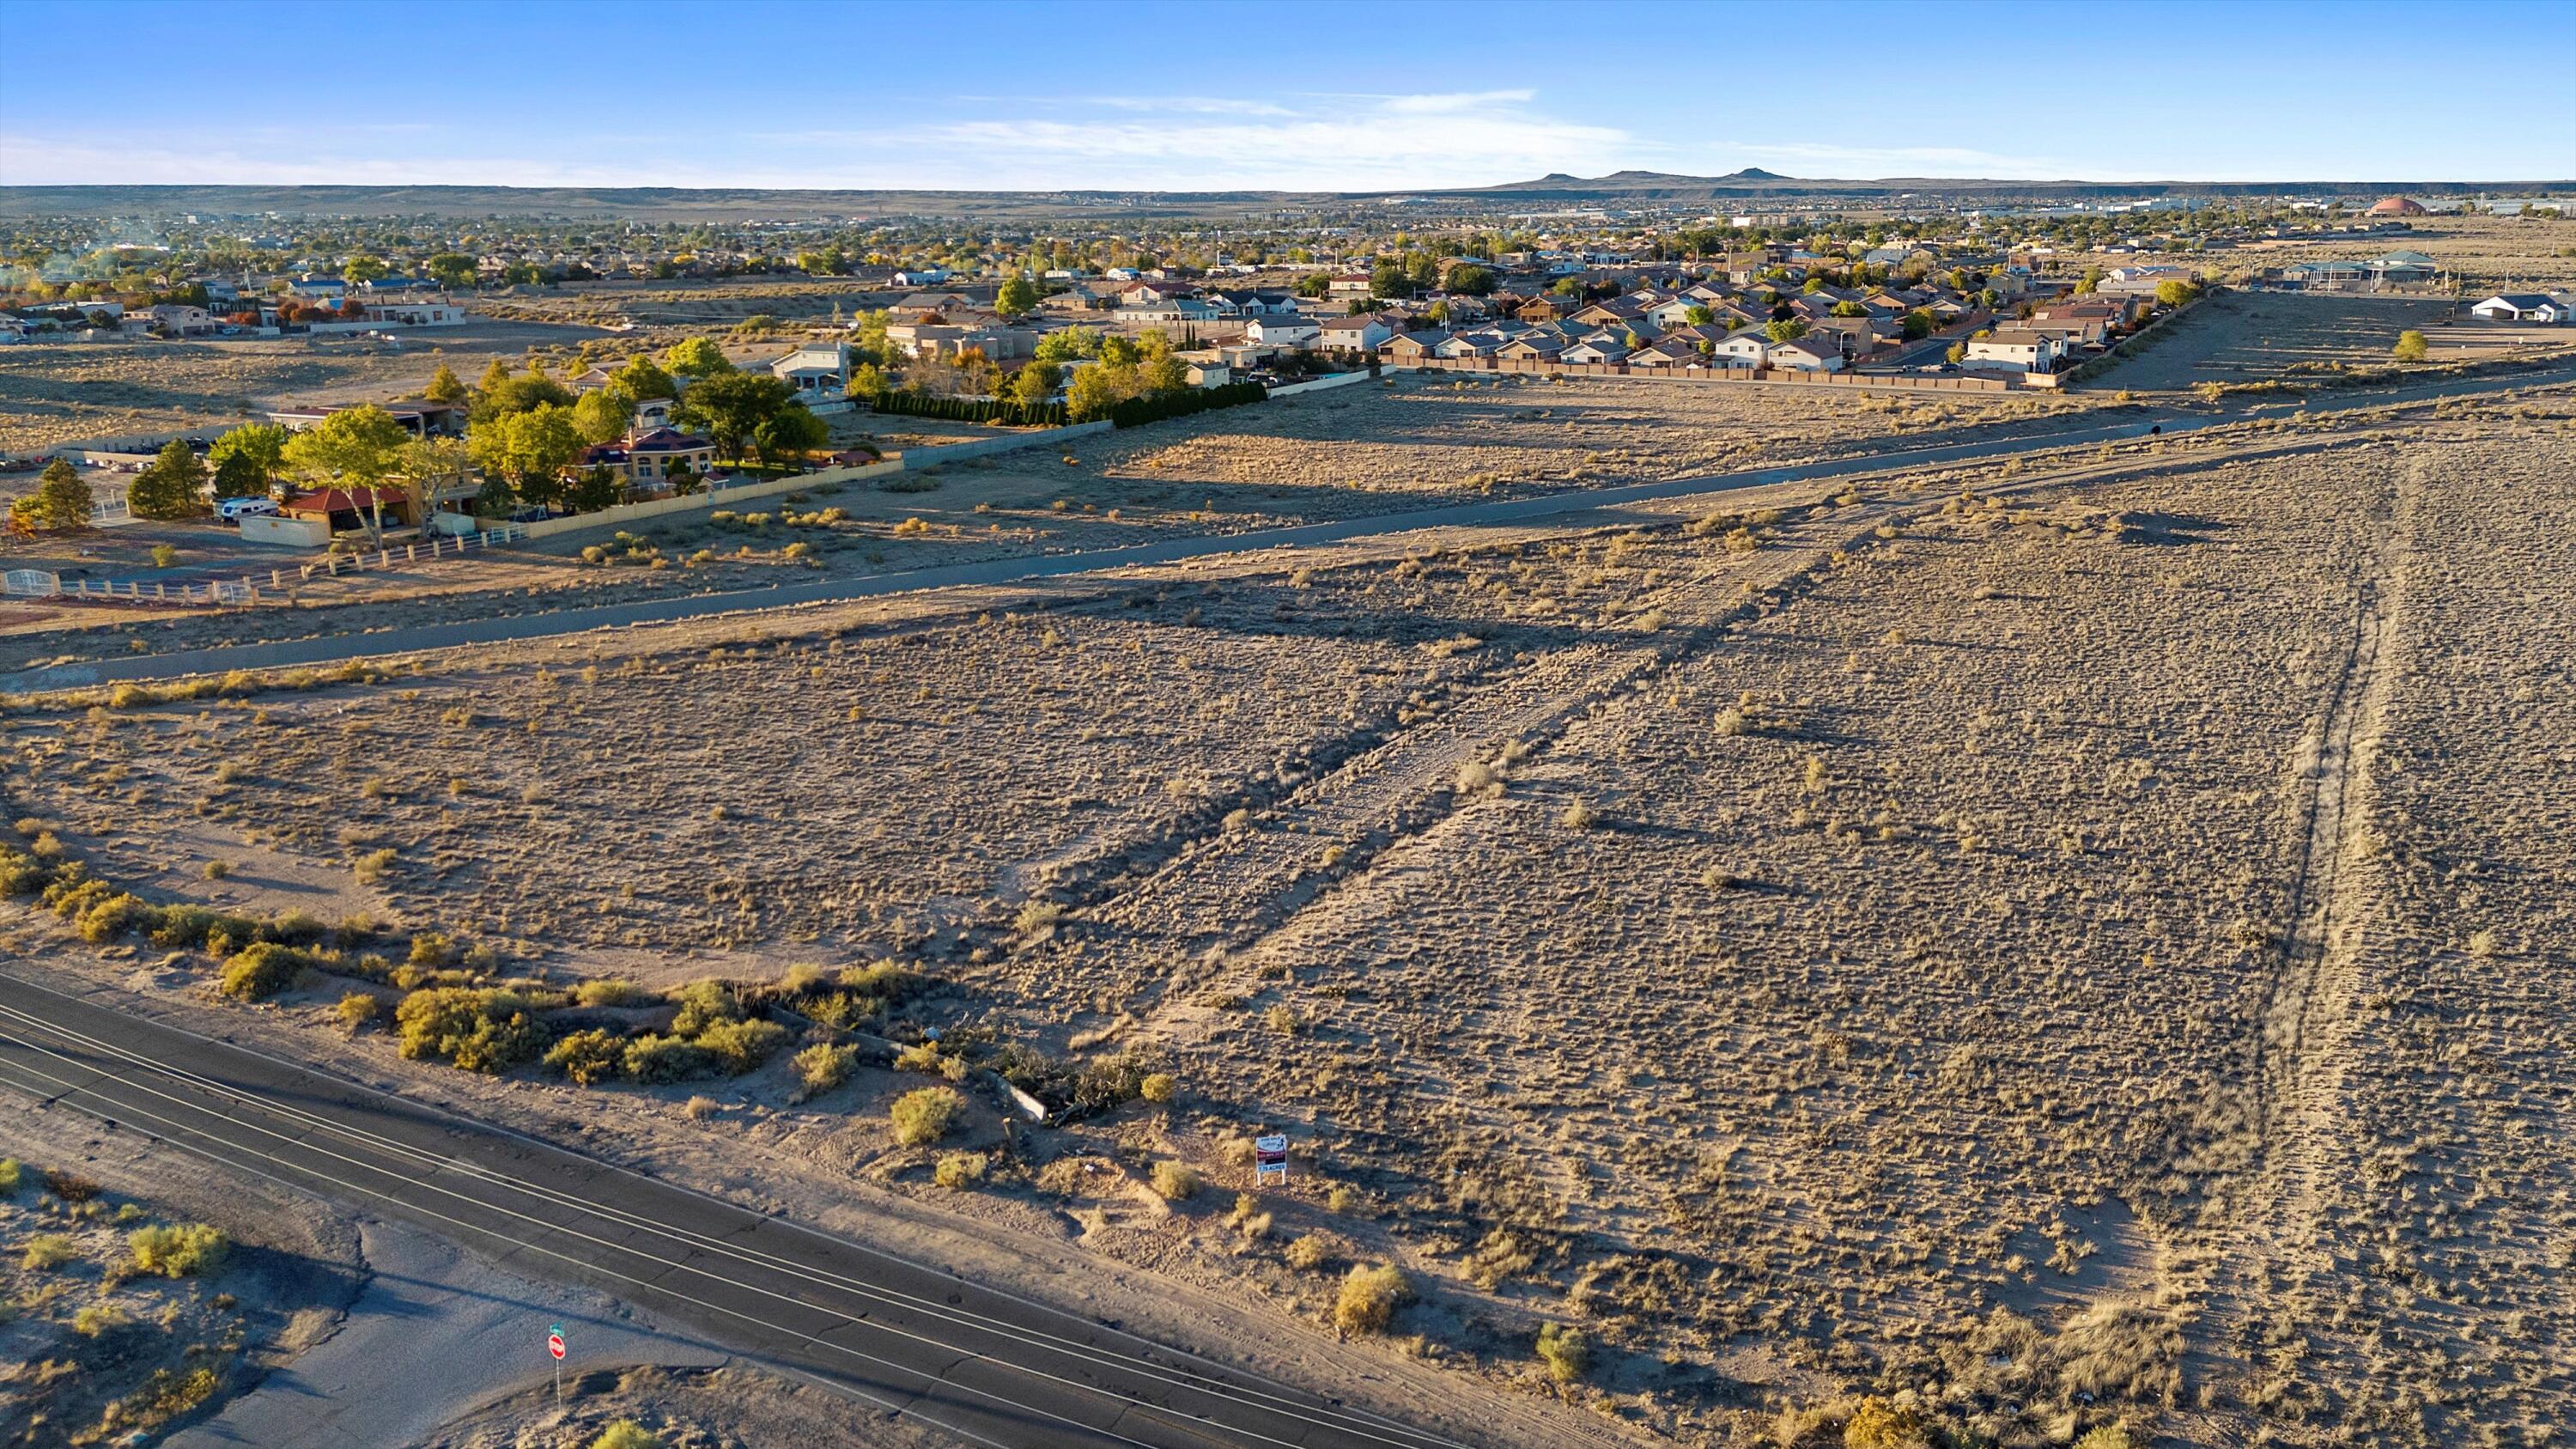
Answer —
70 1186
2120 1351
924 1116
479 1031
1566 1352
2110 1436
659 1060
1878 1424
113 917
959 1170
921 1056
610 993
12 1173
1036 918
48 1251
1158 1087
821 1068
434 951
98 1320
1310 1252
1175 1181
263 969
1370 1296
184 1251
166 1395
1109 1082
704 1004
588 1057
741 1046
358 1010
626 1434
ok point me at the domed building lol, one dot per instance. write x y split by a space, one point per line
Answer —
2398 206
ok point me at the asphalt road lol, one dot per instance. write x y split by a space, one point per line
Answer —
334 648
985 1367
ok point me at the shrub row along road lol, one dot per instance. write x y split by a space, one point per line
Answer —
332 649
981 1366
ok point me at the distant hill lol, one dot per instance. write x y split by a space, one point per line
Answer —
1557 188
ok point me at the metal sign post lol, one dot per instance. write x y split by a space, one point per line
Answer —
1269 1160
555 1346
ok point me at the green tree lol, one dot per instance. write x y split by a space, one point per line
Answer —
1785 329
62 500
2091 280
431 467
604 415
531 449
1094 391
1018 297
2411 346
364 269
1470 280
239 477
2176 293
792 431
446 387
1314 284
495 376
1698 316
1068 344
696 357
1958 352
1034 385
248 459
452 270
354 448
596 488
728 406
531 389
1165 374
870 382
171 488
644 378
1917 325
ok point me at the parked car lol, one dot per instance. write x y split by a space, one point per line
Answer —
232 510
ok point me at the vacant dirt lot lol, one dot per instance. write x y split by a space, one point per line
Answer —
59 394
1354 452
2264 336
2050 956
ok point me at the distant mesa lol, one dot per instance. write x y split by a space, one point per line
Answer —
2398 206
1753 173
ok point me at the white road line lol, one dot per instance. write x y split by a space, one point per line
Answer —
959 1318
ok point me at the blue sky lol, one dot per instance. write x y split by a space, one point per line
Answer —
1006 95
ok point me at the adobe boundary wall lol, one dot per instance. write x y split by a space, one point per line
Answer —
1737 376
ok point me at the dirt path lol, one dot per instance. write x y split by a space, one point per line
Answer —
2270 1258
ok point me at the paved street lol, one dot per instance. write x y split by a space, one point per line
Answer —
982 1366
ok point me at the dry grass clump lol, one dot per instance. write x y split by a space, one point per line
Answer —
1174 1182
923 1116
1370 1296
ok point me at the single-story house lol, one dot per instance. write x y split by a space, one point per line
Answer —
420 419
1364 333
816 370
1599 347
1534 347
2521 307
347 510
2015 349
1413 346
921 276
1281 331
1817 352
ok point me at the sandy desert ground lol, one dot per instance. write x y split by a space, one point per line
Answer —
2020 953
1362 451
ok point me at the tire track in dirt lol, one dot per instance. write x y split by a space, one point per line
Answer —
2264 1265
